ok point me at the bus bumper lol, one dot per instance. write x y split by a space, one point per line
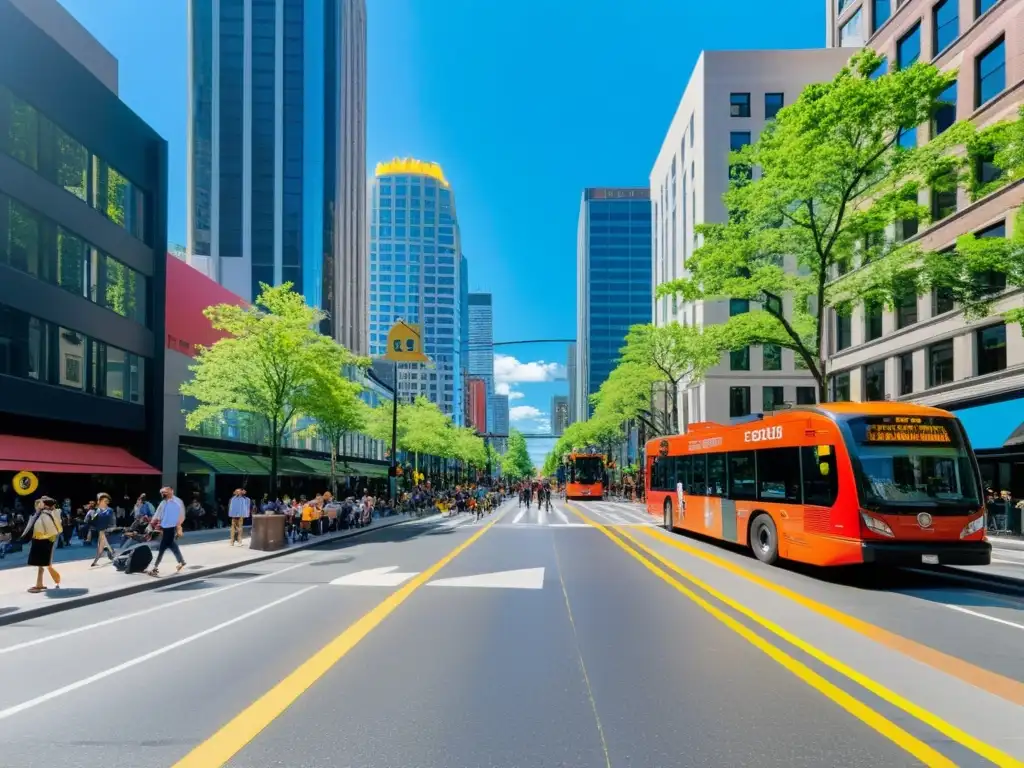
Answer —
925 553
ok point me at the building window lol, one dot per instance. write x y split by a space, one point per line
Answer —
771 357
872 322
739 402
991 349
905 371
843 4
841 387
806 395
943 197
843 331
945 25
991 280
906 311
881 69
982 6
737 141
940 363
907 137
738 306
739 104
986 171
882 10
942 301
908 49
739 359
691 131
990 73
945 114
773 102
874 381
851 34
771 398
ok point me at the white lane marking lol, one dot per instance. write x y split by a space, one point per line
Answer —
388 576
144 611
523 578
1008 562
960 608
519 516
561 515
527 526
17 708
542 516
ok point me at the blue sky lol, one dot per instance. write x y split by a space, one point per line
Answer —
523 104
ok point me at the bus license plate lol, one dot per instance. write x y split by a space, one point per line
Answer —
930 559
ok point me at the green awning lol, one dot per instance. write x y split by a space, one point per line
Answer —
362 469
227 463
322 468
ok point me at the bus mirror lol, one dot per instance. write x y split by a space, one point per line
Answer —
824 468
824 450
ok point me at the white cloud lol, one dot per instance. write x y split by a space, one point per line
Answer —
525 413
508 370
505 388
514 395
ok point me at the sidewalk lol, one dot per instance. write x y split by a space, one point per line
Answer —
82 585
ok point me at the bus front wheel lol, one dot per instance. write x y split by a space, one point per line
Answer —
668 514
764 539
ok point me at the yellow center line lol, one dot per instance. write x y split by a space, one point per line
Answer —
992 682
861 711
244 727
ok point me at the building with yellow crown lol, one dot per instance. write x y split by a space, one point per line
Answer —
417 274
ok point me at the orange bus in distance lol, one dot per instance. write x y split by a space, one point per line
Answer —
584 476
831 484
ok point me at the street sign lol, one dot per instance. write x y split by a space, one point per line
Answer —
405 344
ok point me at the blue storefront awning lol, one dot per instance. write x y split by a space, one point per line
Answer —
993 424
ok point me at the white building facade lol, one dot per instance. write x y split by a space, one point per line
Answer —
727 102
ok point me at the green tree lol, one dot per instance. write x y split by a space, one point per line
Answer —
269 364
334 404
833 177
516 463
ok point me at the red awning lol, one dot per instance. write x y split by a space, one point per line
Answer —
35 455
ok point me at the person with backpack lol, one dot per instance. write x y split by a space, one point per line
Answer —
43 528
100 520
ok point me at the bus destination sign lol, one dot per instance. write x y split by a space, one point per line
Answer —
910 430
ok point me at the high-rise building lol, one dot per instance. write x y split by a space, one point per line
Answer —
83 260
277 152
559 414
415 271
729 98
570 371
476 404
500 416
480 349
924 350
613 281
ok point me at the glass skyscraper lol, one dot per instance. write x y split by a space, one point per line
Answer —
277 152
416 275
480 352
613 282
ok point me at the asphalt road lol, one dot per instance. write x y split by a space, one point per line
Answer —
522 641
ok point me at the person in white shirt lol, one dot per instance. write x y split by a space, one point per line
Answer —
238 510
169 516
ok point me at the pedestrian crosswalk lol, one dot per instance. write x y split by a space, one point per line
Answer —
559 516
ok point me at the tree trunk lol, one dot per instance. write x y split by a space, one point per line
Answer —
275 446
334 469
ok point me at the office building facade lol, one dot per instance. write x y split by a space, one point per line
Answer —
559 414
277 152
501 423
415 275
480 345
924 350
83 244
613 282
570 374
727 102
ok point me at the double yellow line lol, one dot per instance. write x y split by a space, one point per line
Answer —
677 578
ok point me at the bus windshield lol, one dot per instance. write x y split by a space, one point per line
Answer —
587 469
913 461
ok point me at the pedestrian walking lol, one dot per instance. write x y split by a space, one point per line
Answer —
238 510
100 520
43 528
169 516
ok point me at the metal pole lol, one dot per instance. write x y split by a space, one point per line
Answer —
393 469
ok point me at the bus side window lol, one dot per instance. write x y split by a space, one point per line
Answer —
821 484
742 485
657 469
683 472
698 475
716 474
778 475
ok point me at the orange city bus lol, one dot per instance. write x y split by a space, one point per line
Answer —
585 476
831 484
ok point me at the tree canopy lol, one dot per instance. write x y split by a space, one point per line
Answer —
272 364
836 170
423 428
516 462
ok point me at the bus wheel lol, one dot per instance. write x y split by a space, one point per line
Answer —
668 514
764 539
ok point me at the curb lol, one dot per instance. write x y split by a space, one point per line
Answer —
56 606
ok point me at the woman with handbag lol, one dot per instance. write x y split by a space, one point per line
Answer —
100 520
43 528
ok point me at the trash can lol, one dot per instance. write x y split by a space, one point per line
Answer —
267 533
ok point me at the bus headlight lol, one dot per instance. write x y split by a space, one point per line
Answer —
973 526
878 526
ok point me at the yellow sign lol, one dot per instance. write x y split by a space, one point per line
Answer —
405 344
25 483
